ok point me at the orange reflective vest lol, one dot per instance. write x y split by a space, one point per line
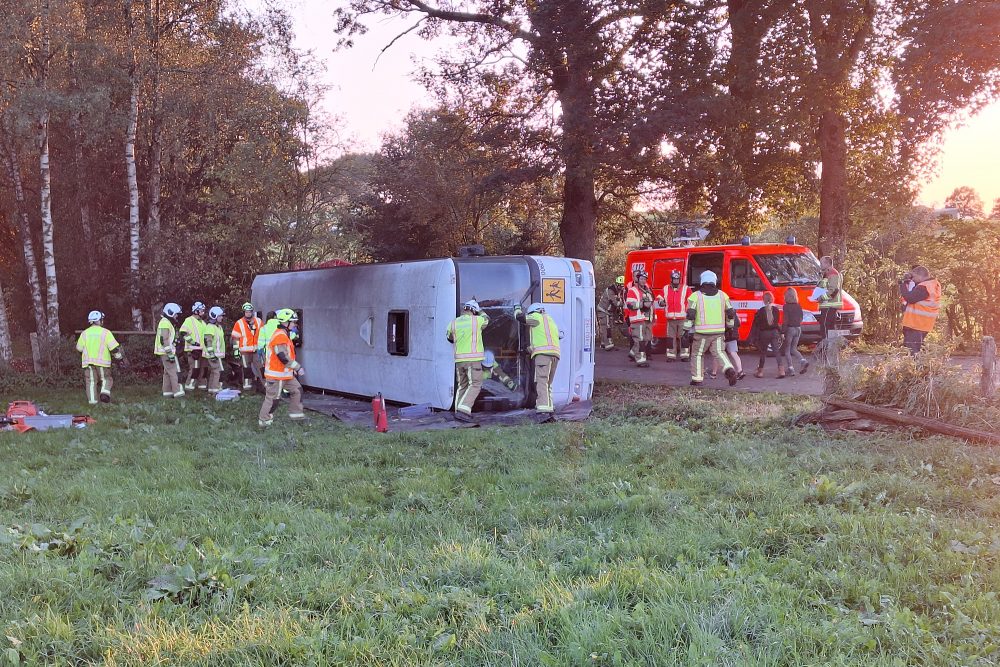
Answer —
275 368
633 299
245 333
676 301
921 315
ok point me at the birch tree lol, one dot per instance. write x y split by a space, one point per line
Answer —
12 164
45 177
6 349
130 168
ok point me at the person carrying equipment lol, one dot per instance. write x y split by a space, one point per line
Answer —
215 348
709 314
245 337
280 372
466 333
544 335
97 346
165 348
193 333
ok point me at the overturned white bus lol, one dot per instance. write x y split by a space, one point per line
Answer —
373 328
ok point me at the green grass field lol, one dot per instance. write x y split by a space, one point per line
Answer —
675 529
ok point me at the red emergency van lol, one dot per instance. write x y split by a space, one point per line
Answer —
745 272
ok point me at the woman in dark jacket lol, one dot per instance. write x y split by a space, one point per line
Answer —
766 334
791 329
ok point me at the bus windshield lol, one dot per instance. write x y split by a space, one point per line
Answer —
499 284
799 268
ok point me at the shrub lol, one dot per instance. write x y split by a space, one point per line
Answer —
928 385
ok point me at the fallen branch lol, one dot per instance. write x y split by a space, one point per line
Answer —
900 417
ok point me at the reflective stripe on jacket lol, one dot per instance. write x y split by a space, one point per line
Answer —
215 341
634 299
275 368
676 301
544 334
193 331
245 333
921 315
709 312
160 347
466 332
96 345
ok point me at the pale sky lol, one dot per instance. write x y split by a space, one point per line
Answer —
371 98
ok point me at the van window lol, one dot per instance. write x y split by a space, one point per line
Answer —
397 333
743 275
703 261
789 268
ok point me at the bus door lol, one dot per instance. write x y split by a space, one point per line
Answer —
746 291
662 268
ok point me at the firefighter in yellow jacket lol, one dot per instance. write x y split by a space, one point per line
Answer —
215 348
97 346
466 333
165 348
193 333
709 314
544 336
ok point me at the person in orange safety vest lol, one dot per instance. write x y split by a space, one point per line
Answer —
280 371
245 338
675 298
923 303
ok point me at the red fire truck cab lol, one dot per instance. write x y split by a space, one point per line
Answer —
745 272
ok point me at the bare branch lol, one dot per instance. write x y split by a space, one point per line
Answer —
397 38
515 30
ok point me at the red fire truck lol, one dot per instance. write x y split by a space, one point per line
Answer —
745 272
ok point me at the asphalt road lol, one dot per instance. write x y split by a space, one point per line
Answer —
615 365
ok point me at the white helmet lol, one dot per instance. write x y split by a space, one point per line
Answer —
472 305
490 359
171 309
535 308
198 305
95 316
709 278
216 313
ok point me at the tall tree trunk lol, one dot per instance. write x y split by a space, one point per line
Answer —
155 168
838 31
82 200
154 191
130 170
578 226
45 187
12 161
156 119
133 201
6 349
834 211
